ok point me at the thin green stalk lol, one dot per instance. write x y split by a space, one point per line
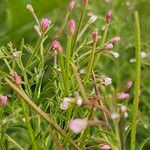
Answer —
91 59
79 81
29 127
79 27
44 115
35 51
63 25
68 55
103 40
137 80
64 77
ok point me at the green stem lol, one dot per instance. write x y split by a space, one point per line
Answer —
68 55
40 111
91 59
29 127
103 40
79 27
137 80
64 77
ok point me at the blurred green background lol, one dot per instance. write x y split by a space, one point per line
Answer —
17 23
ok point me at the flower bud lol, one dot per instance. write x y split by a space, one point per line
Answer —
115 54
95 36
71 5
143 54
129 84
105 146
45 23
30 8
92 19
3 100
72 27
78 125
79 101
85 2
123 96
108 17
16 78
114 39
57 46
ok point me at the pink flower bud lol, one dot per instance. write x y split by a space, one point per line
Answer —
78 125
57 46
85 2
16 78
114 39
123 96
105 146
129 84
3 100
45 23
95 36
72 27
71 5
108 17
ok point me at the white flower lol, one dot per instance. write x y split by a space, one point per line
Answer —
144 54
115 54
79 101
114 116
92 19
78 125
132 60
66 103
106 80
17 54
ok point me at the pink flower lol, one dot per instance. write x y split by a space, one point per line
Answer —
45 23
85 2
72 27
129 84
108 17
71 5
109 46
105 146
95 36
16 78
123 95
78 125
57 46
3 100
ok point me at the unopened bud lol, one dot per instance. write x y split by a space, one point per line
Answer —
30 8
71 5
108 17
16 78
3 100
123 96
85 2
115 39
17 54
57 46
72 27
95 36
109 46
45 23
92 19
